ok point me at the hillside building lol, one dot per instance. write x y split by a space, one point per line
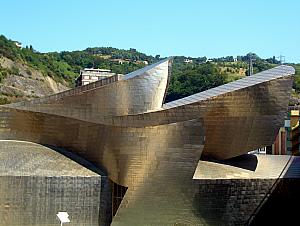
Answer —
18 44
188 61
89 75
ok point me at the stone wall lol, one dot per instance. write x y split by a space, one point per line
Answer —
37 182
230 202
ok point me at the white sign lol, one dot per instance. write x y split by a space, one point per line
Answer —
63 217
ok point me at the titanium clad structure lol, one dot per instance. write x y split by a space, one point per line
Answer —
153 149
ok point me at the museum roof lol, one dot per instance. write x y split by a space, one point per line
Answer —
21 158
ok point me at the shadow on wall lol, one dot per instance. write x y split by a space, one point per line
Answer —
76 158
282 206
246 161
210 202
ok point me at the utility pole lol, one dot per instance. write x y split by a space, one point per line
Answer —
250 66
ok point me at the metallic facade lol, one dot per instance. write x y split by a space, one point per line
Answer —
122 126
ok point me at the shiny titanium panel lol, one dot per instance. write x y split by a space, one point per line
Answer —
122 126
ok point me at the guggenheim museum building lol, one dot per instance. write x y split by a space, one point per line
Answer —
114 153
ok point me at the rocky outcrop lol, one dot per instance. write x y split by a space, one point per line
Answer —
23 82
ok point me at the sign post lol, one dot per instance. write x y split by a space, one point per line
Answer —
63 217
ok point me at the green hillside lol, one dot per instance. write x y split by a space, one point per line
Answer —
66 65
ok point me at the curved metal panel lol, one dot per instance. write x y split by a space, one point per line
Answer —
152 149
137 92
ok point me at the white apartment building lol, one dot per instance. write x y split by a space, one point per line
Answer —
89 75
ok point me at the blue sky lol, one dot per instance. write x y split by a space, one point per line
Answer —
166 27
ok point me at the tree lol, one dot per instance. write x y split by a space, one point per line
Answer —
190 79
